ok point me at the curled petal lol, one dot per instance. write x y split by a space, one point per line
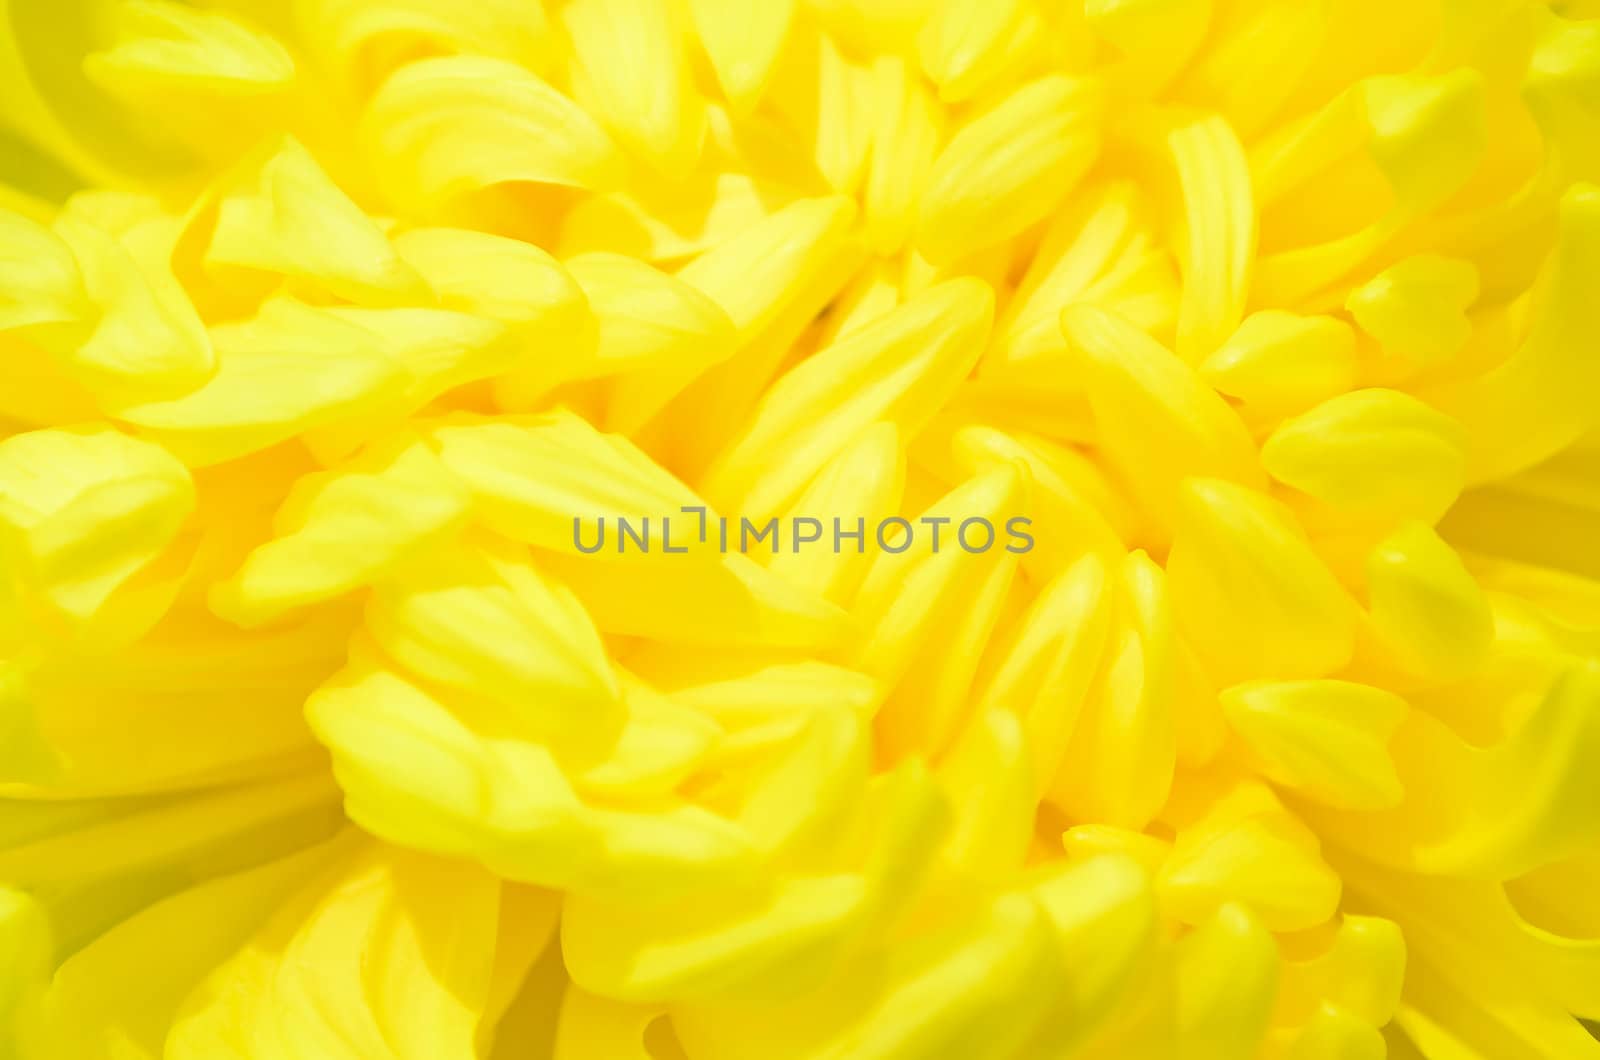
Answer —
1227 978
1372 455
83 512
1325 739
441 128
1425 606
1278 362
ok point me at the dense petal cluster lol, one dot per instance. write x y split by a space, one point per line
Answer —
325 323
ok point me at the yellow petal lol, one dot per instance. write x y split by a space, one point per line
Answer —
510 469
308 979
505 279
413 773
1359 975
987 778
436 350
1256 854
289 218
660 744
520 286
1417 309
674 222
492 625
1448 1017
213 80
900 368
1042 395
1327 740
1498 811
543 479
1081 246
863 482
94 140
590 1025
636 953
1419 139
95 997
1248 591
1529 407
757 275
1074 508
216 707
796 801
94 864
632 72
1157 421
148 341
84 511
1372 455
644 322
757 695
1086 842
969 48
1560 77
872 24
363 41
975 990
1103 915
344 529
441 128
290 368
1009 167
1256 61
1048 662
40 282
1121 757
1428 133
1279 363
744 42
25 954
1219 234
1336 1035
906 134
1154 39
1227 981
770 278
831 95
648 319
929 609
1425 606
731 600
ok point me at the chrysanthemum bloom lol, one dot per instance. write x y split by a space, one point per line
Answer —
327 325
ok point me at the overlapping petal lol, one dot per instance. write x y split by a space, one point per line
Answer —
821 529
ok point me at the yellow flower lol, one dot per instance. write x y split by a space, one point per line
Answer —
472 477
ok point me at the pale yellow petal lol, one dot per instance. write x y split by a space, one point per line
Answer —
744 42
632 71
441 128
1009 167
1249 592
1219 234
